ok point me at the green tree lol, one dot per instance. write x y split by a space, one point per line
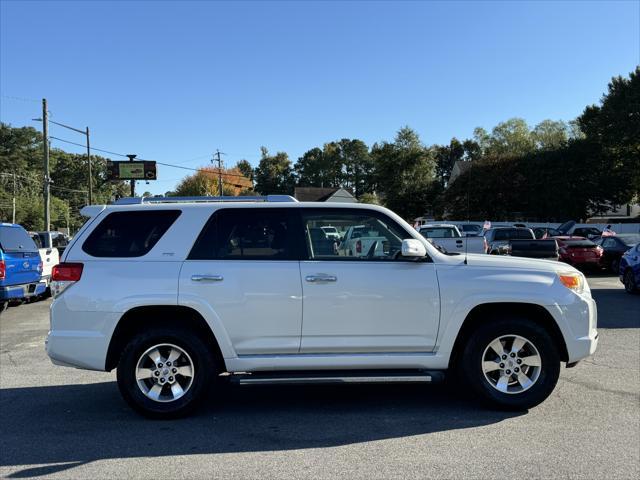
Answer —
510 138
274 174
404 173
614 126
245 168
550 135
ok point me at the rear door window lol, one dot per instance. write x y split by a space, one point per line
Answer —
248 234
129 234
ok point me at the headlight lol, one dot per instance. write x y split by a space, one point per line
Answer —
573 281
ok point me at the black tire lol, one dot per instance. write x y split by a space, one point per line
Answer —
205 370
615 266
630 282
471 371
3 306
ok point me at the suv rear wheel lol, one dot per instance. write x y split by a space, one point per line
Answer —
511 364
164 372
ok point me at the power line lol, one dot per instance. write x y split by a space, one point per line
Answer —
157 162
84 146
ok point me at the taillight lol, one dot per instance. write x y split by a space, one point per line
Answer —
3 269
358 246
63 276
67 272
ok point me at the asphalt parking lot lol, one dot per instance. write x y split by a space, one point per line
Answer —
65 423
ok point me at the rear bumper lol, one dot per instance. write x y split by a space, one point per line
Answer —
25 290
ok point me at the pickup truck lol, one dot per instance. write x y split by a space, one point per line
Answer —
362 241
449 237
519 242
50 245
20 266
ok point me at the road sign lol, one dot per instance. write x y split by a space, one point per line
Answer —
144 170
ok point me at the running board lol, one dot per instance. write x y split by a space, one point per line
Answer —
335 377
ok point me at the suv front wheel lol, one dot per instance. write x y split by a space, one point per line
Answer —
164 372
511 364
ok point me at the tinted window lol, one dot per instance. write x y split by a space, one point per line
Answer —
59 241
129 234
16 239
438 232
247 234
364 235
609 243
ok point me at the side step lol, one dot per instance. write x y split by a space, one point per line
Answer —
337 376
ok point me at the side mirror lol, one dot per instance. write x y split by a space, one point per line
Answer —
413 248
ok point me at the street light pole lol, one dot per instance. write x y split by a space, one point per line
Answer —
45 142
133 182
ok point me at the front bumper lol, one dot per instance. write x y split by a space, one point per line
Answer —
578 322
25 290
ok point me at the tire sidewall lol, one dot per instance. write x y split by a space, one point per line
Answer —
629 286
473 356
204 368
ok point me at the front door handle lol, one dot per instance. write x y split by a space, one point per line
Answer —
320 278
207 278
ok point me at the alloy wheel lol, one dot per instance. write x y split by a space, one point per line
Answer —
511 364
164 372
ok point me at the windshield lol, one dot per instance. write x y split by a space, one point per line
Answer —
16 239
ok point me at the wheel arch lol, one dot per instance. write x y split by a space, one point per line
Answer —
480 313
139 318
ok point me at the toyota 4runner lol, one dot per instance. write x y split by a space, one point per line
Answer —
178 294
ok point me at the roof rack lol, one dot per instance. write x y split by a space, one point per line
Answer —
257 198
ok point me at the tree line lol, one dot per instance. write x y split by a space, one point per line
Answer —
552 172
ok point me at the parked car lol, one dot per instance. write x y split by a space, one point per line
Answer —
588 232
630 269
363 241
470 229
546 231
449 237
331 232
50 256
20 266
518 242
579 251
174 293
614 247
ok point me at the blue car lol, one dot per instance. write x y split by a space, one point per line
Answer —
630 269
20 266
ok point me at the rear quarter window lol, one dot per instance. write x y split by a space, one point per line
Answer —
129 234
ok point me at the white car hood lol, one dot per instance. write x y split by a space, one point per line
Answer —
505 261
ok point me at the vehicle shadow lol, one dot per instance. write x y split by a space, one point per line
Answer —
62 427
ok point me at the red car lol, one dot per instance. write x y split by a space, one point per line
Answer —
579 251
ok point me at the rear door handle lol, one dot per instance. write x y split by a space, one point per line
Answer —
207 278
321 278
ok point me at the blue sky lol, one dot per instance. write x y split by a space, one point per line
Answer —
173 81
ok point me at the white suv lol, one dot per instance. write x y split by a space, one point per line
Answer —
176 293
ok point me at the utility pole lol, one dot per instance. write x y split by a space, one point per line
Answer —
219 173
14 199
90 177
133 182
47 180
